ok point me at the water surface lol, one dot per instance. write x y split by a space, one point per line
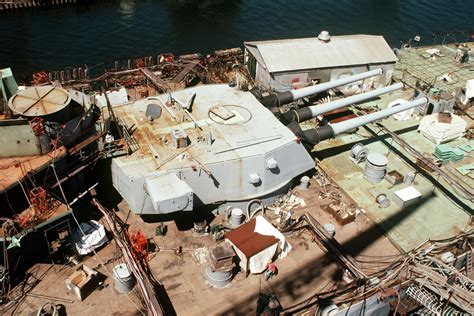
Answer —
47 39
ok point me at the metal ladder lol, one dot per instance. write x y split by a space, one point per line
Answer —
132 143
433 306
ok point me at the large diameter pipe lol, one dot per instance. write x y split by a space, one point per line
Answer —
314 136
290 96
310 112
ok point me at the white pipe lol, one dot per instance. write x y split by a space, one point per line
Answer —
330 106
304 92
348 125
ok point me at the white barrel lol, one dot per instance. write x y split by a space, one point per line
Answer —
409 178
358 152
331 230
383 200
123 278
304 183
236 217
375 167
218 279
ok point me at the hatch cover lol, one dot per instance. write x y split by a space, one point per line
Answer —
229 114
39 101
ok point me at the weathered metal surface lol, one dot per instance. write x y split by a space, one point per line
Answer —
16 168
216 170
17 139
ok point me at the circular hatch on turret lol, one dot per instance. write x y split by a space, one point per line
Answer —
39 101
229 114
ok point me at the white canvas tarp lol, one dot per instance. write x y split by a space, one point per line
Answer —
439 132
258 262
401 116
263 227
89 236
470 89
116 98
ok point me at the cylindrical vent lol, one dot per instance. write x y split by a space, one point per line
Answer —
236 217
218 279
304 183
123 278
200 227
409 178
375 167
383 200
359 152
330 229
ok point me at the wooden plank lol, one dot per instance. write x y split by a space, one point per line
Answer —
157 81
186 70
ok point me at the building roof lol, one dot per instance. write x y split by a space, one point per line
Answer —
248 240
311 53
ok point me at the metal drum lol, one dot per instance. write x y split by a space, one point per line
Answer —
409 178
383 200
236 217
375 167
331 230
218 279
358 152
123 278
304 183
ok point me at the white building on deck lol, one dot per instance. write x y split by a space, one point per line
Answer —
281 65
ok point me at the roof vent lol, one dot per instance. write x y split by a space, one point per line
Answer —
324 36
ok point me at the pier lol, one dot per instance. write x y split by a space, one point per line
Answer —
22 4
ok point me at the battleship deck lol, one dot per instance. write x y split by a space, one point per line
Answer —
306 270
15 168
418 64
437 216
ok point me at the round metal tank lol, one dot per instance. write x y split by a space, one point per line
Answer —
48 102
375 167
123 278
304 183
358 152
331 230
236 217
218 279
409 178
383 200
